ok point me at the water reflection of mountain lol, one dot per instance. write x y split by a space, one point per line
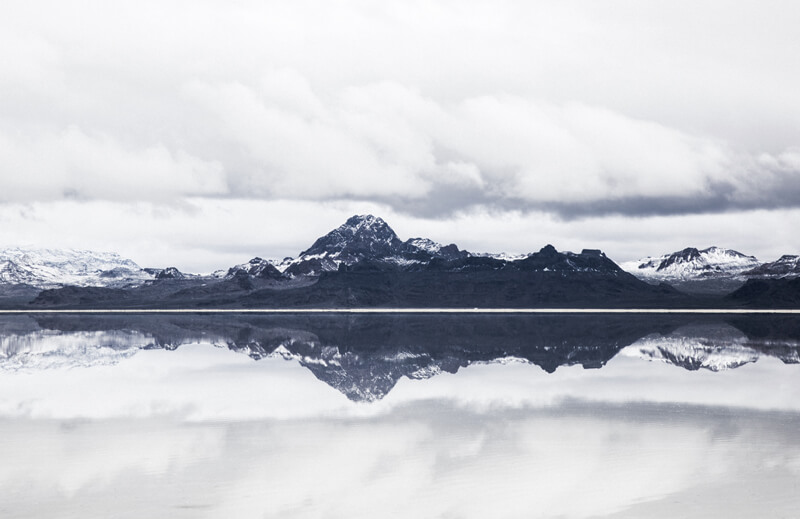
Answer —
364 356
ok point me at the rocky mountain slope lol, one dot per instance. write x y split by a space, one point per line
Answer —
785 266
360 238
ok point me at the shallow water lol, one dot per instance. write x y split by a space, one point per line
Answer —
399 416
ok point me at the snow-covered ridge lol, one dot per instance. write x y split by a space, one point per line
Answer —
50 268
424 244
692 263
785 266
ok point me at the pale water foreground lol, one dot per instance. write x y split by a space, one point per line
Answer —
387 416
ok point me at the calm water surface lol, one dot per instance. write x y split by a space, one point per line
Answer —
399 416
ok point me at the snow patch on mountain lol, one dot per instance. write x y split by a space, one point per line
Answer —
502 256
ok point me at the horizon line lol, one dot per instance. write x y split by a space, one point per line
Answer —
404 311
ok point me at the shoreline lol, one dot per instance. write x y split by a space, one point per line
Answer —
406 311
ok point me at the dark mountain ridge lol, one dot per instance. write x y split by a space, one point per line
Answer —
363 263
543 279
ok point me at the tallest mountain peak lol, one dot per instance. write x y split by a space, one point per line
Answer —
367 219
368 238
367 222
360 235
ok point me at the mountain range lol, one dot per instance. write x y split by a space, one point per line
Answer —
364 263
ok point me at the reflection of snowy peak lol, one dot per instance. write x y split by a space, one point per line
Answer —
49 268
364 358
361 379
693 353
691 263
714 348
47 349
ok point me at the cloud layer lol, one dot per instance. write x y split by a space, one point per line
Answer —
433 111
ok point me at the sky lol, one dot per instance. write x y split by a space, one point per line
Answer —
202 133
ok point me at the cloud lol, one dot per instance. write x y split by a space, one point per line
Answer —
285 153
431 109
389 143
71 164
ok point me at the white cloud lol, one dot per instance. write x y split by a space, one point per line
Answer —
72 164
289 155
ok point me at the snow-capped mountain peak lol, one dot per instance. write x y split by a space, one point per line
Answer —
693 263
49 268
256 267
785 266
359 235
365 237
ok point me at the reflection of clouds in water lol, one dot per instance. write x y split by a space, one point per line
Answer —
199 382
73 457
203 432
425 459
767 384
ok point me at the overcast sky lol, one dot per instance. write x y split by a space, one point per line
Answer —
202 133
